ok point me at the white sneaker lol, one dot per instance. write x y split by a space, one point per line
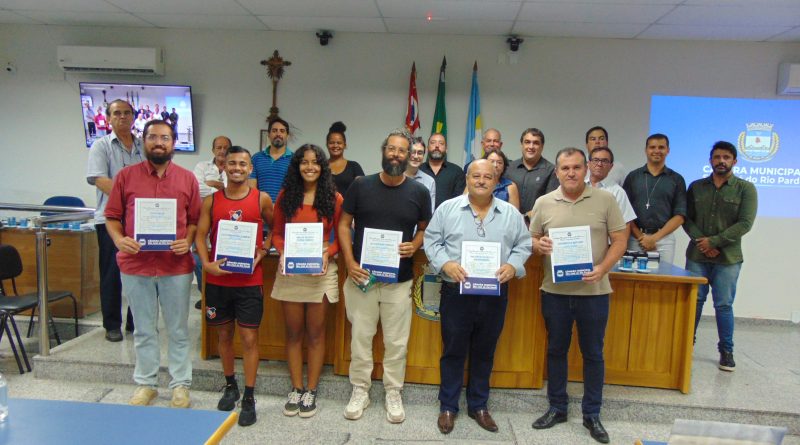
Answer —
180 397
359 400
394 407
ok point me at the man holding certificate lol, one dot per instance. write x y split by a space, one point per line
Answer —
387 209
234 218
151 216
571 227
477 243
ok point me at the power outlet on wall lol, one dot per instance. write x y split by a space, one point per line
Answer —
795 316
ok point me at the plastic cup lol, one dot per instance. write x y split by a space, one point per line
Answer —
12 221
627 262
641 263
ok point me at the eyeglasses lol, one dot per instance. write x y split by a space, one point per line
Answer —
391 149
479 227
600 161
154 138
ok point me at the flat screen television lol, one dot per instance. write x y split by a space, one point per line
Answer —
172 103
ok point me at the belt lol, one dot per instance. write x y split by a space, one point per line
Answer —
648 231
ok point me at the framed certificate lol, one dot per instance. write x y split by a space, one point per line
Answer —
303 248
380 254
236 241
155 223
572 253
480 260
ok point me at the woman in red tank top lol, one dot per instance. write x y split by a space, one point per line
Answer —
308 196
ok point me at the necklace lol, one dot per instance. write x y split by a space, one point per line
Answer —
649 191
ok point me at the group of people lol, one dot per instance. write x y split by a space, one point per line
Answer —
434 204
98 125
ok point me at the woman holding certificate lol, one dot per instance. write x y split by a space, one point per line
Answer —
306 211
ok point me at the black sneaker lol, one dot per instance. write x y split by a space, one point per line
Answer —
229 398
114 335
292 406
308 404
199 304
247 416
726 362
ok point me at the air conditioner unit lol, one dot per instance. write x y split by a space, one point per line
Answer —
789 79
111 60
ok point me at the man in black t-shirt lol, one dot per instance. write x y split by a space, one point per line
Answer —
387 201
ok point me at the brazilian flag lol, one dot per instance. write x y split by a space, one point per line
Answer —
440 113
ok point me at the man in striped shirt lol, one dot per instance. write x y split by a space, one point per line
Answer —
270 164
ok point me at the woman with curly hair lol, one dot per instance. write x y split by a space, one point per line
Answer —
308 196
344 171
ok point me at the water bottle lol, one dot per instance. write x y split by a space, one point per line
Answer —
3 399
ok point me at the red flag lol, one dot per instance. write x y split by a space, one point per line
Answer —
412 113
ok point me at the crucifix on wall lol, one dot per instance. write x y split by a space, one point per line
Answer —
275 65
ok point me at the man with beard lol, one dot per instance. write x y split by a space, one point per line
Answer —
658 196
108 155
471 322
416 157
388 200
157 277
721 209
449 177
270 164
532 173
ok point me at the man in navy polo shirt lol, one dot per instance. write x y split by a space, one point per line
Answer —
270 164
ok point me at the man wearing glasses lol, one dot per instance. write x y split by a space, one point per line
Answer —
601 162
472 323
389 201
108 155
153 278
581 303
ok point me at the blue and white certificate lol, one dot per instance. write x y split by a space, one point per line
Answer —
236 241
155 223
303 248
380 254
572 253
480 260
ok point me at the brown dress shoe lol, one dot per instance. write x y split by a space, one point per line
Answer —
447 420
484 419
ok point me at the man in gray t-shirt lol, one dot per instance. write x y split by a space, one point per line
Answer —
107 156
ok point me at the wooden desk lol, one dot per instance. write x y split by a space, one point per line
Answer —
72 265
648 340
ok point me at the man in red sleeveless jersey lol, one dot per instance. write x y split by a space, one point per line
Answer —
234 295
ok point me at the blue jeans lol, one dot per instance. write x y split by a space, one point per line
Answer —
471 325
722 279
590 315
145 294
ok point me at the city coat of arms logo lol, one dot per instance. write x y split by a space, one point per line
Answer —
759 143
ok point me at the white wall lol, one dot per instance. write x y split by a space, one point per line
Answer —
562 86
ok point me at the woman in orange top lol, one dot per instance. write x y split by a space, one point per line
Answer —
308 196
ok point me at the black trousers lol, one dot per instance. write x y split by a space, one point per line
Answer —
110 282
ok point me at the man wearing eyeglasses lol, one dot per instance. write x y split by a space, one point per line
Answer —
471 322
108 155
581 303
416 157
391 201
596 137
601 162
153 278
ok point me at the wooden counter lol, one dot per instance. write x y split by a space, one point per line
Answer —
648 340
72 265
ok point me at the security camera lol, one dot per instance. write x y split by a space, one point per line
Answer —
514 42
324 37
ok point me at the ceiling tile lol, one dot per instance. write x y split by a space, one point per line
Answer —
572 29
742 15
342 24
760 3
688 32
11 17
613 2
462 27
449 9
312 8
227 7
792 35
59 5
201 21
86 18
592 13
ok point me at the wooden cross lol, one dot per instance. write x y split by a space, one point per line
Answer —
275 65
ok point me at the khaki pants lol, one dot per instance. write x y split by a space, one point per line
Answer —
391 305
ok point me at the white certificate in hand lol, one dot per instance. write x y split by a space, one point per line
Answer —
480 260
572 253
303 248
155 223
236 241
380 254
